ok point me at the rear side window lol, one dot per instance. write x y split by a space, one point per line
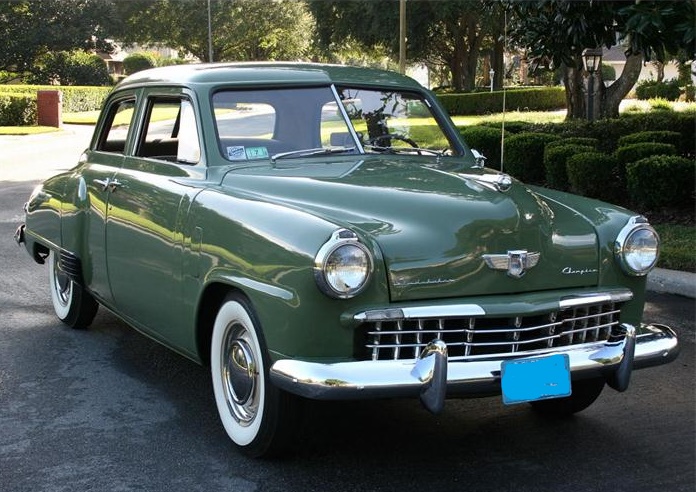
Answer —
119 121
170 132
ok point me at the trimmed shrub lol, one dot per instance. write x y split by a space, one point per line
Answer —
662 181
637 151
524 156
17 109
534 99
75 98
653 89
594 174
656 136
486 140
511 126
583 141
555 159
139 61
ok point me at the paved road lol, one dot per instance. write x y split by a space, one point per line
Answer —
109 410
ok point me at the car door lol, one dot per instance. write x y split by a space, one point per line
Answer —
147 210
99 167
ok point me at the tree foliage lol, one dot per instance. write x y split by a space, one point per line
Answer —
70 68
29 29
241 29
451 33
555 33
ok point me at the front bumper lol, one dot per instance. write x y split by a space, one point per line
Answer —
433 377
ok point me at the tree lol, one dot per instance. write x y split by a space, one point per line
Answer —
448 33
29 29
70 68
242 29
557 31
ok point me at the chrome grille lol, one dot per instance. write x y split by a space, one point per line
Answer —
480 336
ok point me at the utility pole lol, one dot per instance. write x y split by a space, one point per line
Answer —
402 36
210 35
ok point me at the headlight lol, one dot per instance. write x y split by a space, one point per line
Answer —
342 266
637 247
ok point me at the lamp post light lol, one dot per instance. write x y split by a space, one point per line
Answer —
592 58
491 74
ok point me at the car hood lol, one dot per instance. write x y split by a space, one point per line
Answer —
440 233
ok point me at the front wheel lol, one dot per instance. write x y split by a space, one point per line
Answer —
73 305
584 393
257 416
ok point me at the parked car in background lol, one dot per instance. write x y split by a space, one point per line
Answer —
322 232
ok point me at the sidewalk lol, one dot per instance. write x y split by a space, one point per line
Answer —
672 282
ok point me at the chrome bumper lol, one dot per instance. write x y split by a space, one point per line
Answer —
433 376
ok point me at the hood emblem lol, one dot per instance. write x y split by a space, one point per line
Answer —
515 262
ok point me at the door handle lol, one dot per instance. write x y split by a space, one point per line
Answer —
108 184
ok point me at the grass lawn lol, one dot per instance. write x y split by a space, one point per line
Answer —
678 247
27 130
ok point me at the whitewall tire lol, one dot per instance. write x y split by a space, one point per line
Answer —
257 416
72 304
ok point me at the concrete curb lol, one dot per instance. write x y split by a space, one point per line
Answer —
672 282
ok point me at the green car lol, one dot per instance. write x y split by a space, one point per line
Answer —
322 232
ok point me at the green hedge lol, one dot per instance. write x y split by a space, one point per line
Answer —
555 159
609 131
17 109
657 136
662 181
75 98
637 151
524 156
486 140
595 174
535 99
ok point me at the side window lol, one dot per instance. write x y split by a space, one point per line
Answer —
113 138
170 132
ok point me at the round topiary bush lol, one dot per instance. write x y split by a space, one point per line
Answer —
524 156
486 140
662 181
637 151
555 159
655 136
584 141
594 174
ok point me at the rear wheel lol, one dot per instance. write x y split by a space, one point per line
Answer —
257 416
584 393
73 305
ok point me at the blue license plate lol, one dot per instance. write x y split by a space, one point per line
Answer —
536 378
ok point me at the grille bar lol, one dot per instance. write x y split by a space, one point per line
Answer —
476 336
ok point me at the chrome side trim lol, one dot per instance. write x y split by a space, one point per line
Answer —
595 298
399 378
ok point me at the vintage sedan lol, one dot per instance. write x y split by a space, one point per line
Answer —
322 232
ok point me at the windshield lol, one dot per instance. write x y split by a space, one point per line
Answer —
303 122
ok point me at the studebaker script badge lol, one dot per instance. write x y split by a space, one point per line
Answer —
516 262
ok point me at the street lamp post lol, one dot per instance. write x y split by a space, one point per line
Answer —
592 58
491 74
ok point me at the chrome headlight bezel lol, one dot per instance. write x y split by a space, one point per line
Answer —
340 239
623 247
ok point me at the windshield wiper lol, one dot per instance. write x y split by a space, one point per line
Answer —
406 150
312 152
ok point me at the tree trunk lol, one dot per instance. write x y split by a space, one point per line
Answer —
575 91
614 94
498 63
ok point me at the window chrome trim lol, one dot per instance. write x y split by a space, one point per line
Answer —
346 118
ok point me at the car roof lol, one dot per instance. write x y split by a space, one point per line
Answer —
265 73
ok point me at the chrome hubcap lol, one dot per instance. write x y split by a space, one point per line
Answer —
63 285
240 373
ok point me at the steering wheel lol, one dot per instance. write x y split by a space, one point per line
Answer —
395 136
